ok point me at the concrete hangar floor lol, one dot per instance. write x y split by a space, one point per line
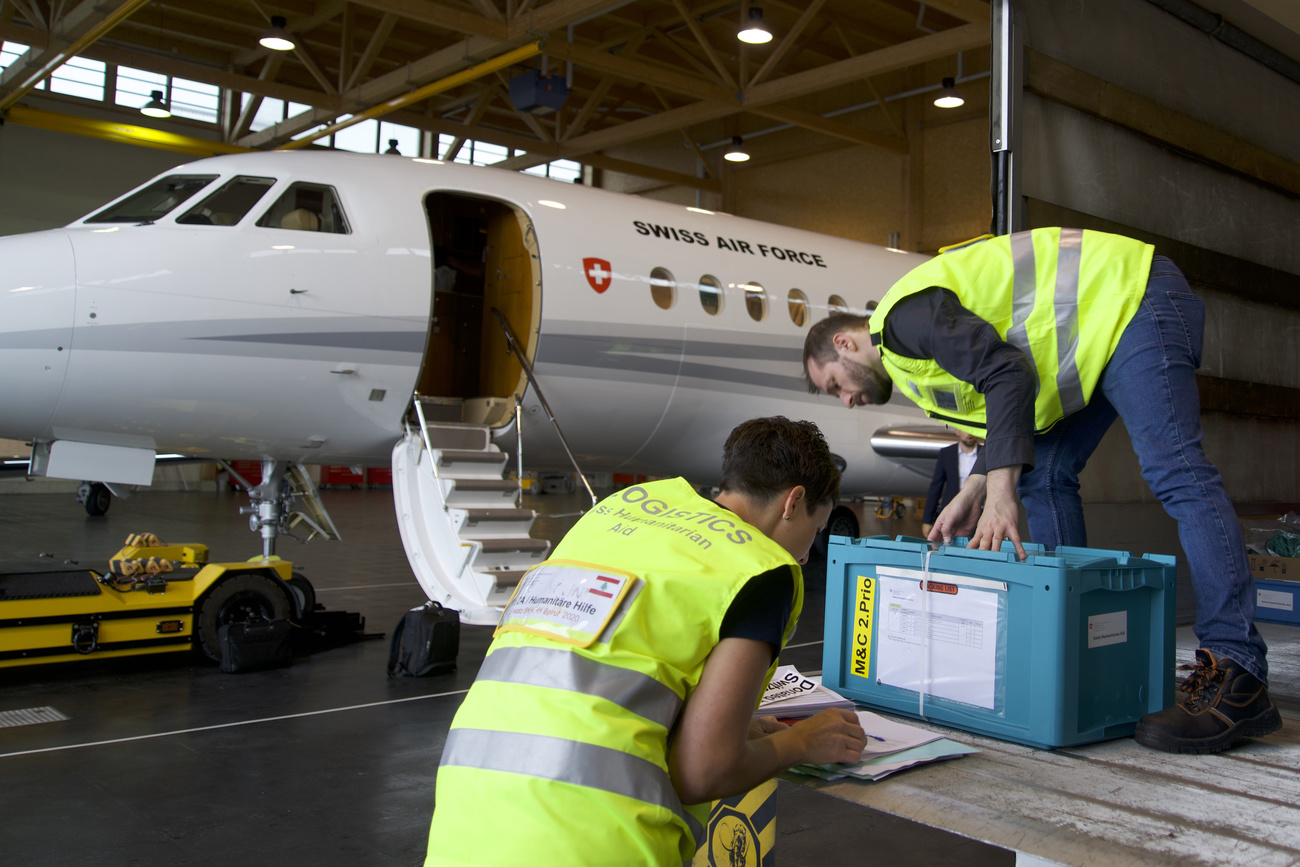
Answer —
166 760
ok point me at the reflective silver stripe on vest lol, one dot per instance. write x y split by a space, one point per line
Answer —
562 669
567 761
1067 320
1024 291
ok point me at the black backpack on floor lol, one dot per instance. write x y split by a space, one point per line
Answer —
425 641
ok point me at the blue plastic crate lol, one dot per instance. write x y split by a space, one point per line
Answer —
1064 648
1276 601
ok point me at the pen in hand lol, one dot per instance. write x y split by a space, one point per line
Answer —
874 737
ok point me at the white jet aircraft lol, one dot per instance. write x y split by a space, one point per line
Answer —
327 308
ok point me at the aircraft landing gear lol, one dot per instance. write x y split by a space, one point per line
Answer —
96 496
285 498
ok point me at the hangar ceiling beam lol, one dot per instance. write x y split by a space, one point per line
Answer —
367 58
122 133
324 12
489 9
602 88
183 69
456 79
71 35
1060 82
472 118
438 65
269 70
694 26
942 44
787 42
974 11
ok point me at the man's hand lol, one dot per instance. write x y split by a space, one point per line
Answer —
960 516
1001 518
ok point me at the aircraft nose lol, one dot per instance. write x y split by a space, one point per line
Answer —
37 293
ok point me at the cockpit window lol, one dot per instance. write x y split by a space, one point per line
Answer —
154 201
228 205
307 208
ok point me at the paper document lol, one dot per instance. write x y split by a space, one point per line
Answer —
942 641
882 766
791 695
885 736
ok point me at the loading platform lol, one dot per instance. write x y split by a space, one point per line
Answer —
1115 803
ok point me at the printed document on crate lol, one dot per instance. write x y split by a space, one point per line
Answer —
941 641
791 695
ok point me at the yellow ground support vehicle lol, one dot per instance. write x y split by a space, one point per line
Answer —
154 598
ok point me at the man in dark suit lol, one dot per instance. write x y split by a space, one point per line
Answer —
950 472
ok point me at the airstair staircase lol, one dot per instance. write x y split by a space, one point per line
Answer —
465 537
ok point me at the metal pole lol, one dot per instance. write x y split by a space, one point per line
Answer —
1006 89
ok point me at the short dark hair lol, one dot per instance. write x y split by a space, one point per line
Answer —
764 457
820 345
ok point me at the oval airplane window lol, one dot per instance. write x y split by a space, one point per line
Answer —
798 307
663 288
872 305
755 301
836 304
711 294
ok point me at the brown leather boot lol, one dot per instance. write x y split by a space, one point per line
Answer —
1224 704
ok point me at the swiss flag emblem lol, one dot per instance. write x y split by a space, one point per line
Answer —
599 273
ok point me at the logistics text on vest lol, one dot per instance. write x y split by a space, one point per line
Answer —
639 510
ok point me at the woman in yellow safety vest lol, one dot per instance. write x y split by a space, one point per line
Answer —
1037 341
616 699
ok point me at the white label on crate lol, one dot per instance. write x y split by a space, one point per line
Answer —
955 655
1107 629
1278 601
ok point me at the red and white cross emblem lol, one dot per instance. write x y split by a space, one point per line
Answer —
599 273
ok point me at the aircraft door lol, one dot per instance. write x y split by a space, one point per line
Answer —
485 260
37 298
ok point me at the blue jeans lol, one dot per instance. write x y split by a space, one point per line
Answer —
1150 382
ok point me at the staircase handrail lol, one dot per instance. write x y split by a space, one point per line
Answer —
541 398
428 447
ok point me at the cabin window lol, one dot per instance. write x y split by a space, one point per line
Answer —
229 204
798 307
711 294
307 208
755 301
663 288
154 201
872 305
836 304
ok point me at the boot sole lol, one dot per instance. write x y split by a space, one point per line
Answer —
1266 723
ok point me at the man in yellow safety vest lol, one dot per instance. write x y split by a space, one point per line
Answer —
1036 342
616 700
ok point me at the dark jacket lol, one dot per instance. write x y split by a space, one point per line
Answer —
945 484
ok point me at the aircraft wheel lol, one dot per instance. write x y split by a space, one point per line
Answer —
302 595
98 499
842 522
238 599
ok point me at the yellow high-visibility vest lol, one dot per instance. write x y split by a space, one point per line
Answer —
559 753
1062 297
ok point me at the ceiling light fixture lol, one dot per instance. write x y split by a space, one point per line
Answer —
736 153
277 38
155 107
949 97
755 31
